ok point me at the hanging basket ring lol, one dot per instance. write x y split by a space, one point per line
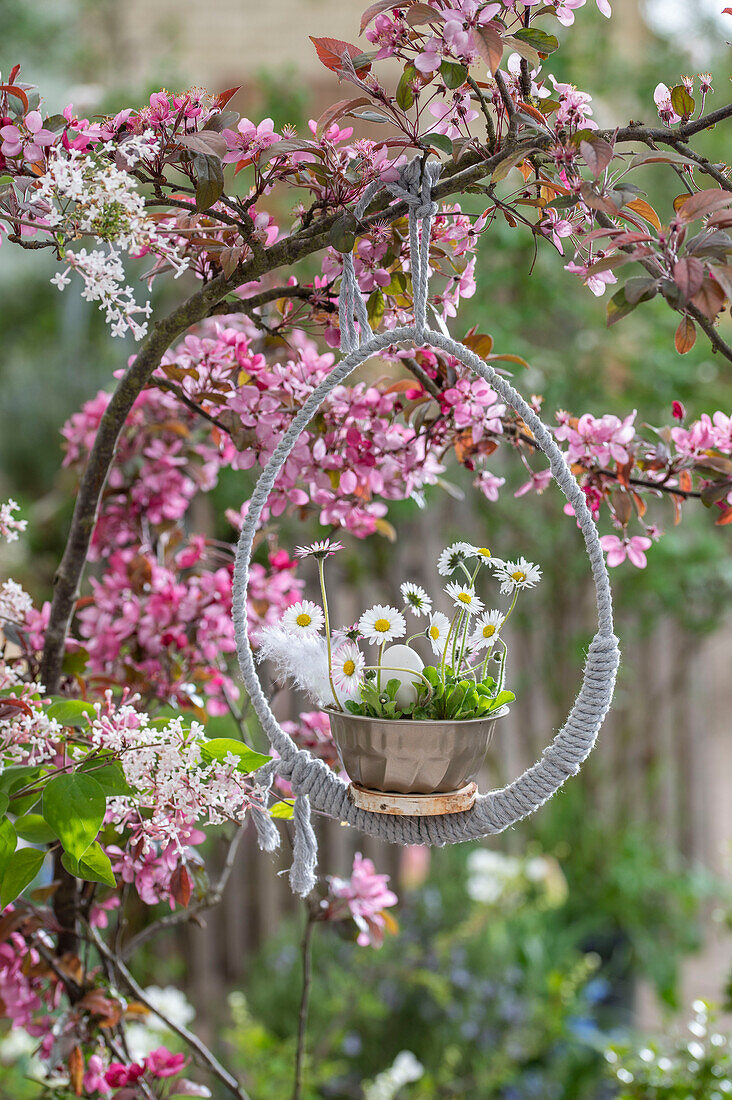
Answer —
313 782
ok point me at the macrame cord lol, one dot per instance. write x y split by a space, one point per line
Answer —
313 782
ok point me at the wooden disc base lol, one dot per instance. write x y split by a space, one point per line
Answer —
413 805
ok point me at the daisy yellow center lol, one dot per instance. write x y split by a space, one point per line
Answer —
484 552
382 625
303 619
518 575
465 597
349 667
434 633
488 630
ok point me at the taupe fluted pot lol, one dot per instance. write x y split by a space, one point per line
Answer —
407 757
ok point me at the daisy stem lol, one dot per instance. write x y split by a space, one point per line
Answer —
378 674
455 617
513 604
419 634
463 641
321 574
502 668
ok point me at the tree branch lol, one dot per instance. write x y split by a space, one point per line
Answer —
205 1056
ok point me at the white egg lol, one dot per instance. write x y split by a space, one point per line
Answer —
402 657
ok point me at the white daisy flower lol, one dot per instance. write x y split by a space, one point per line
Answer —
382 624
319 550
486 630
303 618
416 598
517 574
452 557
437 632
464 597
484 555
348 665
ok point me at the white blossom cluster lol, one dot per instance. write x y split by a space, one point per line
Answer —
84 194
9 526
163 763
405 1069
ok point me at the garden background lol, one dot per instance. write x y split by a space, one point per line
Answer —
639 846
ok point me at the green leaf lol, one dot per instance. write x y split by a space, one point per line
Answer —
4 802
70 712
12 779
619 307
376 307
94 866
502 699
404 93
209 176
284 809
75 661
343 233
453 74
34 829
439 141
8 840
21 869
74 805
681 101
540 40
220 747
110 777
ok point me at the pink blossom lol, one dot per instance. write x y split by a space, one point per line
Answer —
662 99
698 437
677 410
119 1075
557 228
430 59
597 282
94 1077
163 1063
598 439
29 138
618 549
489 484
536 483
365 895
388 34
459 23
452 115
249 140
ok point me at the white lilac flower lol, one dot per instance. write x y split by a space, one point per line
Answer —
303 618
464 598
416 598
517 574
452 557
348 665
486 630
437 632
382 624
319 550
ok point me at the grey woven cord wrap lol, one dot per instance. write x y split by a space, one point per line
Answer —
312 781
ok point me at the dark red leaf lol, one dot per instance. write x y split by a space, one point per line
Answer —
180 886
331 50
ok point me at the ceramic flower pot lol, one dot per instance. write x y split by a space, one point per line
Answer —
409 757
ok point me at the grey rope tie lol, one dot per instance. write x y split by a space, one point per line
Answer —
314 784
